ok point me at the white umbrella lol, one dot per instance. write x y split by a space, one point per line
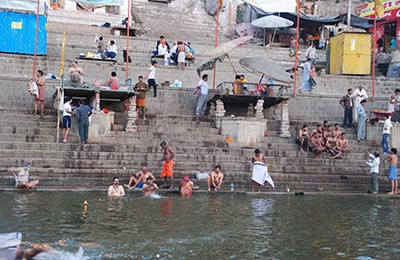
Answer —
271 21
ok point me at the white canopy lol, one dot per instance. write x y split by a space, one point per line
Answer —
28 6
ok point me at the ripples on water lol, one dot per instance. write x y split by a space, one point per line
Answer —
206 226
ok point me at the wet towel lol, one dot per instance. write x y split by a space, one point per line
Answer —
260 174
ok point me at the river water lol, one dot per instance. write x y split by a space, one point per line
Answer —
206 226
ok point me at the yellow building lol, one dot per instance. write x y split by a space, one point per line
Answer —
350 53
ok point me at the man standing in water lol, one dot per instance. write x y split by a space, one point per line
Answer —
150 188
392 174
260 171
167 170
116 190
22 177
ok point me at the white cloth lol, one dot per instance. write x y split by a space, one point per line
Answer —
112 48
181 57
360 95
373 163
203 87
67 106
311 53
260 174
162 50
22 175
386 126
152 74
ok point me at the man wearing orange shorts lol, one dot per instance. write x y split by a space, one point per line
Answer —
142 88
167 170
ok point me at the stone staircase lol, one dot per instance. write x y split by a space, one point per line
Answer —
196 141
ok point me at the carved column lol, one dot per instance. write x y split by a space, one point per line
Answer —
212 109
220 109
132 116
284 120
260 109
97 101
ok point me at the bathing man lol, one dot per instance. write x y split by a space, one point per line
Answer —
21 175
214 179
167 170
116 190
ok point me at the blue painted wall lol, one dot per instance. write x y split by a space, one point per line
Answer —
18 32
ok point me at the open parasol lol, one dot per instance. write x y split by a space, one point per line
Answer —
266 67
220 53
271 21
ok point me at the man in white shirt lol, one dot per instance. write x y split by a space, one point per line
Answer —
67 112
311 53
151 77
358 95
373 163
386 134
111 51
202 98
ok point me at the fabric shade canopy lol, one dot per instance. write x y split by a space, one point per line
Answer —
271 21
220 53
266 67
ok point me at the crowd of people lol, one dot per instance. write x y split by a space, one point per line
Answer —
324 138
177 54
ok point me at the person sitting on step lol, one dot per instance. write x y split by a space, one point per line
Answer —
111 51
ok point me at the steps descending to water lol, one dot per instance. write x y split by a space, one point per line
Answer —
196 141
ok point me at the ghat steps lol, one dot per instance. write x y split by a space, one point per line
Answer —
197 142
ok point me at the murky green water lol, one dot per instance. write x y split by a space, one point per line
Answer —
206 226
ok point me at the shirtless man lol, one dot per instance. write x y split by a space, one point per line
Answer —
150 188
116 190
342 146
316 145
303 138
330 144
337 132
140 178
76 73
318 129
257 157
167 170
21 176
214 179
328 131
392 173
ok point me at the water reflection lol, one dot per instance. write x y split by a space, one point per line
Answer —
206 226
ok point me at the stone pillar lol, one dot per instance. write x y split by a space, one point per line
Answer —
284 120
97 101
260 109
132 116
212 109
219 113
220 109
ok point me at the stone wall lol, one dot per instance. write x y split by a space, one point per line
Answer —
335 7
